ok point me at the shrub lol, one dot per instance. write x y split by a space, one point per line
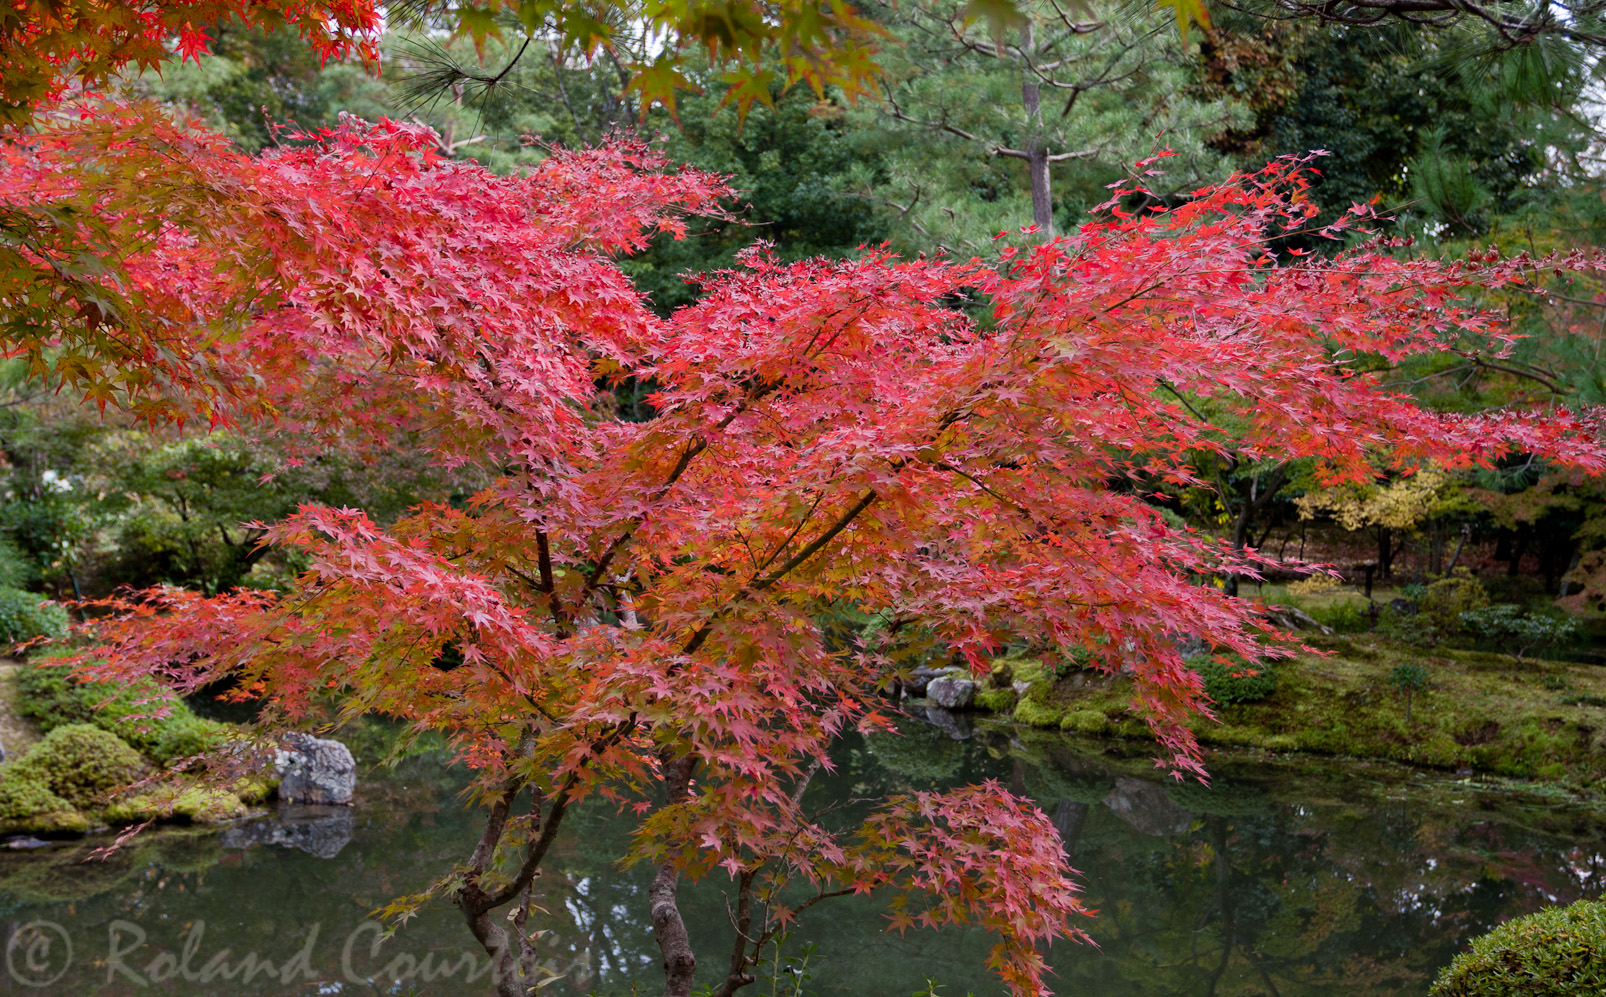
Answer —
1408 678
26 615
1518 631
1439 608
1235 682
83 764
1446 599
1346 617
54 698
1559 952
24 794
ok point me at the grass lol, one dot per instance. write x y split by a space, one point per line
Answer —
1484 712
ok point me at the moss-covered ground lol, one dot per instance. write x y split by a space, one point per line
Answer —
99 751
1482 712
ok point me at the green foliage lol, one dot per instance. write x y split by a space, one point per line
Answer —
1346 617
25 793
1517 630
51 696
1439 615
1405 117
1408 677
1558 952
22 617
83 764
1235 682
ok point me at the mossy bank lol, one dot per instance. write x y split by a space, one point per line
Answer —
104 760
1488 713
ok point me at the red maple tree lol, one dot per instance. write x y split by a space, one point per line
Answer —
638 607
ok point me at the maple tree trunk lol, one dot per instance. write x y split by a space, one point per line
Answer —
478 910
680 962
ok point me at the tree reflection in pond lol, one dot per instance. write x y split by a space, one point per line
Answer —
1277 881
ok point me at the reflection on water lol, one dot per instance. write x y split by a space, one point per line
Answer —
1279 881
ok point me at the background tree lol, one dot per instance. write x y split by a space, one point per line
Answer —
986 112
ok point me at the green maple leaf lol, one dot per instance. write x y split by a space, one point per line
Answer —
1188 12
657 84
479 23
1000 15
746 89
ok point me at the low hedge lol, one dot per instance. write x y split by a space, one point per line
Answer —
26 615
54 698
1559 952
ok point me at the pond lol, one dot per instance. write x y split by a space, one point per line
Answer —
1283 879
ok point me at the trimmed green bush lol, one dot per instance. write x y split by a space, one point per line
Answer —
82 764
1235 682
25 799
1517 631
22 617
1346 617
1559 952
1438 617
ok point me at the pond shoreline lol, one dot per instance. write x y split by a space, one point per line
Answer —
1542 722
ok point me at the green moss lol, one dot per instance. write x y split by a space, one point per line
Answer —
53 697
83 765
1482 711
27 804
193 803
995 700
1034 713
252 790
1085 722
1560 952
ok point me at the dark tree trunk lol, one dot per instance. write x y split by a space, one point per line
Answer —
1518 548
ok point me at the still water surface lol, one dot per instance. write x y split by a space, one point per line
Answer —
1280 881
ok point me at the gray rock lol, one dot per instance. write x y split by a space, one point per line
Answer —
2 752
1020 688
1190 645
919 678
317 830
951 693
315 770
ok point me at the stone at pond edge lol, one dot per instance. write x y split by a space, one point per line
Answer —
915 687
315 770
951 693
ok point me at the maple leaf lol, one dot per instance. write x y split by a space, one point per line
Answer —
657 83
